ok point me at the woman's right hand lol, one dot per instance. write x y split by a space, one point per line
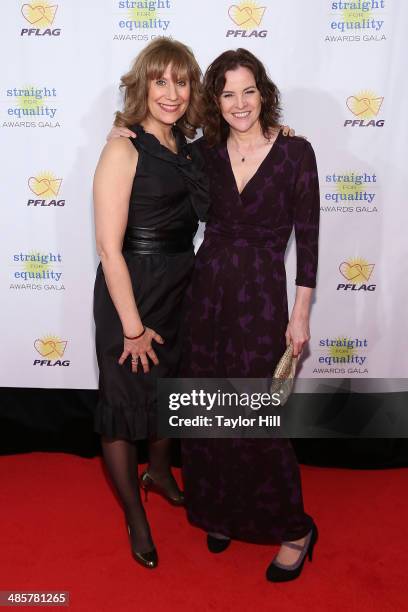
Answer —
141 349
117 132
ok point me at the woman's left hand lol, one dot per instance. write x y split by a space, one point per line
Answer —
297 333
288 131
120 132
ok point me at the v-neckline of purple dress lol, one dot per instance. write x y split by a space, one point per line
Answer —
257 171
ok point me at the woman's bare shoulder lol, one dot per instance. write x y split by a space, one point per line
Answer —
119 149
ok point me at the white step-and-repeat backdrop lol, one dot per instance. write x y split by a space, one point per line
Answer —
341 70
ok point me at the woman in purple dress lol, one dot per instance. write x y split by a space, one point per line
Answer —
261 186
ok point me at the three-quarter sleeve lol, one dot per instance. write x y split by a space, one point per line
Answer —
306 219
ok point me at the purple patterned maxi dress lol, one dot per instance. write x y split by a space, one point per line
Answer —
249 489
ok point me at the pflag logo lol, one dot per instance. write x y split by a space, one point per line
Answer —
51 349
40 16
247 16
357 272
46 187
365 105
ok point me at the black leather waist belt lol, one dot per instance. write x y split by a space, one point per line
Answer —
147 241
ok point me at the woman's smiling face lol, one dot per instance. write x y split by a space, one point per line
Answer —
167 97
240 101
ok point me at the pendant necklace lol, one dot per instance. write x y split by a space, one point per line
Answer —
243 156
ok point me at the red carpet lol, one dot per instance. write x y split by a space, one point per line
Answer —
61 529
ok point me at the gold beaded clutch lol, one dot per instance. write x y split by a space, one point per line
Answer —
284 375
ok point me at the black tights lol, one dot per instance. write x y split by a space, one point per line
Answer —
120 457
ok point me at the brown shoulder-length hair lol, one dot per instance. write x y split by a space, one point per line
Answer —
150 64
216 129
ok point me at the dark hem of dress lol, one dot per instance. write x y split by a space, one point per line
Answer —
287 536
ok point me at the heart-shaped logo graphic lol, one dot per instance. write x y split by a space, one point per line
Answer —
240 16
364 106
45 186
41 15
357 106
246 15
357 273
53 349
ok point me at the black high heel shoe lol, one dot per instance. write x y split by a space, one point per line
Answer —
278 572
149 559
148 484
217 545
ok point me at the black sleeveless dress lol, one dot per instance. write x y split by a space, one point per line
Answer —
169 195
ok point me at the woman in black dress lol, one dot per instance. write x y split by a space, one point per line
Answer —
148 196
261 186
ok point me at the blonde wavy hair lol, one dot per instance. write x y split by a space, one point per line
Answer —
150 64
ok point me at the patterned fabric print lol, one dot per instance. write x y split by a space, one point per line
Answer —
246 489
238 314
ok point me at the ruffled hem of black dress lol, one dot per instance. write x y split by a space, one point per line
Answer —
120 422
